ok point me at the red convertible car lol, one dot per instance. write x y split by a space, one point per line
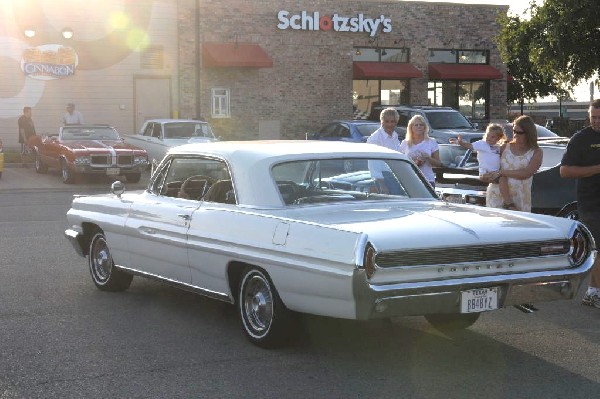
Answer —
89 149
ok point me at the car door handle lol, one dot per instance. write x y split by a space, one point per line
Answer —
184 216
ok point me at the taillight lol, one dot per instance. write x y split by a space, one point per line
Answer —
370 255
582 244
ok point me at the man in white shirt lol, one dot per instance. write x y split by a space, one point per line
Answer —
72 117
387 137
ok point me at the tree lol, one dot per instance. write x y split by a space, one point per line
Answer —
553 50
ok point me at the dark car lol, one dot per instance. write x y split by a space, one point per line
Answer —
544 135
89 149
349 130
445 123
457 181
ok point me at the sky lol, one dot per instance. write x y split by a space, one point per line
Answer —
517 7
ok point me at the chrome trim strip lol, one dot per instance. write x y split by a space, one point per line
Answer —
173 283
541 276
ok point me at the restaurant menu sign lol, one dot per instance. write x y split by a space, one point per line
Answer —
338 23
49 61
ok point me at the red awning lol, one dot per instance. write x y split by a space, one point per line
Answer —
384 70
244 55
463 72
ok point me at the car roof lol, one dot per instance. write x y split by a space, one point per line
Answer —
297 149
250 162
418 107
167 120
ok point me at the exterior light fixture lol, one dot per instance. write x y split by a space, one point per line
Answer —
357 52
29 32
383 52
67 33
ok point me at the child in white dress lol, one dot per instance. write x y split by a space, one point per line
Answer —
488 155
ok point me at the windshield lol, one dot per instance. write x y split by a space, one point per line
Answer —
447 120
89 133
349 179
187 130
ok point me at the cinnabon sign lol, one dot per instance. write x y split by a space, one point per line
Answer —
336 22
50 61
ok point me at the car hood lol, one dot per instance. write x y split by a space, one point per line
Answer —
95 145
423 224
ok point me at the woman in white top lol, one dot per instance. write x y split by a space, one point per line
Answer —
423 150
520 159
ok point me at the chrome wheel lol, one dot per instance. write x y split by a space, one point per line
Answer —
68 177
100 260
258 304
106 277
265 319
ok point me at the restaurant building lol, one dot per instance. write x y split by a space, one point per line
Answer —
253 69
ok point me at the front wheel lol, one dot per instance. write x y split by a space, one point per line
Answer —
68 177
264 317
102 268
39 165
448 322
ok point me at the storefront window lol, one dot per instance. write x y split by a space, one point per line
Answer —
469 97
458 56
369 92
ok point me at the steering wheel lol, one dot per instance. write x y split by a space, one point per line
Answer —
192 188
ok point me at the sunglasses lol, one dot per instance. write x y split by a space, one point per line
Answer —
518 131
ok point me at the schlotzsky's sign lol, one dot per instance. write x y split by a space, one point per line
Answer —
50 61
336 22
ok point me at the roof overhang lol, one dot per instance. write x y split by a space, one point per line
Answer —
384 70
464 72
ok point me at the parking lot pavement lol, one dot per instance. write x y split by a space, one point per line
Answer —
17 178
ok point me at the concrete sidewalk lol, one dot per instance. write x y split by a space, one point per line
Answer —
16 178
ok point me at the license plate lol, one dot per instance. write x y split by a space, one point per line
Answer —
479 300
113 171
454 198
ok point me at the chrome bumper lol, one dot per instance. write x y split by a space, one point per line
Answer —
76 239
427 297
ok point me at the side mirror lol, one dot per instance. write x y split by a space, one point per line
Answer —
117 188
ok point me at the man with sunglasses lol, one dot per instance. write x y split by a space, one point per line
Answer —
581 161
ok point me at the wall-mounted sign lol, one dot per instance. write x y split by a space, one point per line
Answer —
49 61
336 22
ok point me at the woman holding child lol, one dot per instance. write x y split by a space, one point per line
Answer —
519 160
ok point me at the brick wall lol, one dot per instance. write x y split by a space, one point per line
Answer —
311 79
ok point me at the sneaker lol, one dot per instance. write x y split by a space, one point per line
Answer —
592 299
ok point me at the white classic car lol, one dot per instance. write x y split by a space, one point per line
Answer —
279 227
157 136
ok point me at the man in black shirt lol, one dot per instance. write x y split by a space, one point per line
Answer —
26 129
582 162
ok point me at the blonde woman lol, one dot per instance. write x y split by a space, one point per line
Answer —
423 150
519 160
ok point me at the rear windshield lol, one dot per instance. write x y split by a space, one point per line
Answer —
349 179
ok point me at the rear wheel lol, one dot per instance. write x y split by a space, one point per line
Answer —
68 177
265 319
102 268
39 165
448 322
